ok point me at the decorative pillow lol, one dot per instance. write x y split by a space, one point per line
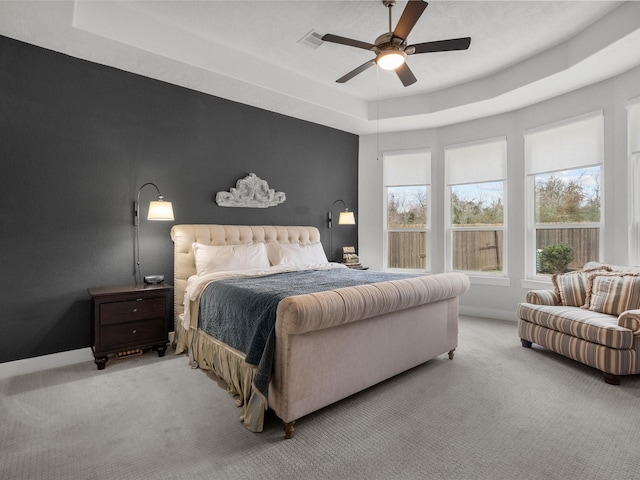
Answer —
625 268
596 267
614 292
217 258
295 254
571 288
274 252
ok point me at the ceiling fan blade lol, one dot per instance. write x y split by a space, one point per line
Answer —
350 42
356 71
441 45
409 18
405 75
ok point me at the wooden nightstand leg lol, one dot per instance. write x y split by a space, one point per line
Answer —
101 362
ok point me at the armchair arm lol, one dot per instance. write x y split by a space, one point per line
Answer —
543 297
631 320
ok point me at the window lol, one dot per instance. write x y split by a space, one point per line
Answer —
407 178
564 170
475 175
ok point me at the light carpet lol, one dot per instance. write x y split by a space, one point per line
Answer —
497 411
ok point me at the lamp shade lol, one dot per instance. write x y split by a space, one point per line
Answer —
346 218
160 210
391 59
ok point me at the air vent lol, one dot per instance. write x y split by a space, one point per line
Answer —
312 39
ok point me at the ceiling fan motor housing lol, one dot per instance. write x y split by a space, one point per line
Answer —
387 41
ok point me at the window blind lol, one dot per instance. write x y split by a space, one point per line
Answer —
407 168
572 144
476 163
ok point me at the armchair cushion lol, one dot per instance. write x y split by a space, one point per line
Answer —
591 326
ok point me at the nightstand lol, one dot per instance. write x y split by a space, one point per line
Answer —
129 319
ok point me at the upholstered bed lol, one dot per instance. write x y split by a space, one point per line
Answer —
327 345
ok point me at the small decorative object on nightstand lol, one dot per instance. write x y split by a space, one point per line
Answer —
128 319
350 259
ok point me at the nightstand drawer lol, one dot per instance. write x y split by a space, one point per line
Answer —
139 332
140 309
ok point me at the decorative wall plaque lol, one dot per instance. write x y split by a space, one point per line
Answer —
251 191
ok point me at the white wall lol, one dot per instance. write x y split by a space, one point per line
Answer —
501 301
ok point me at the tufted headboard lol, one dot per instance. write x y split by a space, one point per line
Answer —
184 236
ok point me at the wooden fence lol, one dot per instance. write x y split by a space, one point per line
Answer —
477 251
585 243
481 251
407 250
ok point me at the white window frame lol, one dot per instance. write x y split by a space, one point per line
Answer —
532 277
633 149
634 209
488 278
388 157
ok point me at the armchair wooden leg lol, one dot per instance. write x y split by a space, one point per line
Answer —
526 343
611 379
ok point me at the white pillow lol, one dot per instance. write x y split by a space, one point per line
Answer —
216 258
294 254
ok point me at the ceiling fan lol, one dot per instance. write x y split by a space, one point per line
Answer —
391 48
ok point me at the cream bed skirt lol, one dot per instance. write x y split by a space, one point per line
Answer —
226 363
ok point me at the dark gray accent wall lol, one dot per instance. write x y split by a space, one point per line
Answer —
77 141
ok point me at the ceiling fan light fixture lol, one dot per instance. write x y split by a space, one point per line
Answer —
391 59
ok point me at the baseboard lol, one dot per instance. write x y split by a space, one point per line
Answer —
488 313
44 362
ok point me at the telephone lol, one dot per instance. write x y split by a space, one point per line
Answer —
350 259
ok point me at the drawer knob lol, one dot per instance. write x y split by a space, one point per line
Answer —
138 299
134 331
135 310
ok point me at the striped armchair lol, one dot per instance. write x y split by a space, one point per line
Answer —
592 316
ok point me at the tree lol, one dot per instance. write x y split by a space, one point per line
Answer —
407 207
475 212
556 258
563 199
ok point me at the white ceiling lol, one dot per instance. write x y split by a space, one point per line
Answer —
521 52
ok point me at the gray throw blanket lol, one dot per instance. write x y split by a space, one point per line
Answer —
242 312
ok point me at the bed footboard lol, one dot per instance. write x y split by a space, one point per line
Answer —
315 368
